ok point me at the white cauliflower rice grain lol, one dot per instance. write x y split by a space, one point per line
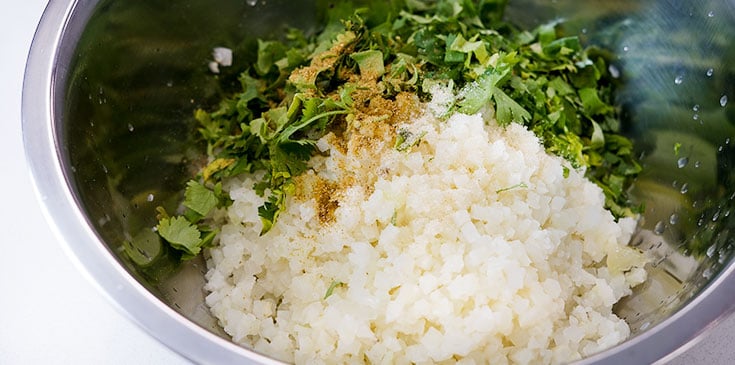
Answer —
471 247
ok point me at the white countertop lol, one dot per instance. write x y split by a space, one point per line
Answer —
49 312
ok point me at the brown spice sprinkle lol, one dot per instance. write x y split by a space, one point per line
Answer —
322 61
365 134
375 116
371 131
325 193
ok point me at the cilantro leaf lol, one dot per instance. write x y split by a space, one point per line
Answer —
370 62
508 110
591 101
199 198
180 234
268 53
477 95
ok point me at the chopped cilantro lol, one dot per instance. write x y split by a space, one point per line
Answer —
301 87
516 186
199 199
370 62
181 234
332 286
405 140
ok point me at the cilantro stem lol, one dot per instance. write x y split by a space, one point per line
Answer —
291 129
331 288
516 186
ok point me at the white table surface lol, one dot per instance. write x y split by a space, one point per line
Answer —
49 312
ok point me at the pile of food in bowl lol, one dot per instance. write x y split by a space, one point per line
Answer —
418 182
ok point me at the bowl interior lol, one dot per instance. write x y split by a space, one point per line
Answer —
138 70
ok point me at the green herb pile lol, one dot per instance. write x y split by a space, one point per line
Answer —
539 78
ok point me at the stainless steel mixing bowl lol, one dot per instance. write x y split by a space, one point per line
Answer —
107 116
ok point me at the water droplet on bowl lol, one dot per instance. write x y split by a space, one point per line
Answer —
626 48
711 14
697 164
695 116
674 219
150 197
695 107
659 228
682 162
684 189
251 2
679 79
723 100
710 72
711 250
130 127
614 72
